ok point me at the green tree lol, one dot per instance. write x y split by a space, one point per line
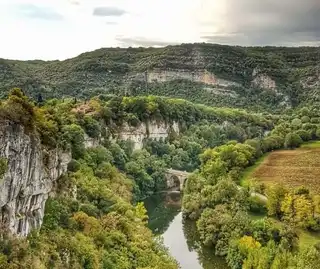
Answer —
74 135
292 140
276 195
305 135
91 126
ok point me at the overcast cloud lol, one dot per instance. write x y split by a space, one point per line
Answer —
37 12
108 11
59 29
269 22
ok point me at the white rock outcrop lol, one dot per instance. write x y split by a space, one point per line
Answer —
200 75
28 180
262 80
151 130
90 142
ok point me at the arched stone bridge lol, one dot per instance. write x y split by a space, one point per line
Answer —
176 178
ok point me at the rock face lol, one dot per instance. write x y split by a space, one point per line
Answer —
28 180
202 76
90 142
263 81
151 130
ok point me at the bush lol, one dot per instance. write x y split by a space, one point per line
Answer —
90 210
3 166
305 135
292 140
272 142
73 166
314 120
318 132
18 109
256 144
256 205
296 123
92 127
257 186
74 135
305 119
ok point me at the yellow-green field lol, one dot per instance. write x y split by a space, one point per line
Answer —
293 168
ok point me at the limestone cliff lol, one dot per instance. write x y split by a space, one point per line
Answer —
28 180
202 76
152 130
262 80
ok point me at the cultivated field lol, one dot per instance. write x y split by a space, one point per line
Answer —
293 168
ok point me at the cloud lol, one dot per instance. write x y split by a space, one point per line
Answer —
39 12
269 22
108 11
68 27
143 42
111 23
74 2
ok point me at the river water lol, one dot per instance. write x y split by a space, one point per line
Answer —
179 235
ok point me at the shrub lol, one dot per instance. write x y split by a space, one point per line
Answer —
318 133
296 123
73 166
256 205
305 119
3 166
305 135
91 126
292 140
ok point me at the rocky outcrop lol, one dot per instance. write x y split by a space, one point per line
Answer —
152 130
263 81
28 180
202 76
90 142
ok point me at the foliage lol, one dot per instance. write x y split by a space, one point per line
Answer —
97 220
292 140
98 229
3 166
121 71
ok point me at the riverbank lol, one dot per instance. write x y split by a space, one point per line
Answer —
179 235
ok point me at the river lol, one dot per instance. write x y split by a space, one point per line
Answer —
179 235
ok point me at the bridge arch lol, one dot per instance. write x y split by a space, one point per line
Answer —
176 178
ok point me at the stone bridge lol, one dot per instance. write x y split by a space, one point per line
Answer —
176 178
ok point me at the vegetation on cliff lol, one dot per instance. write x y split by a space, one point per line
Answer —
96 219
122 72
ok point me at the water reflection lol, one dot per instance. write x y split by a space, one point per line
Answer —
162 208
175 240
179 235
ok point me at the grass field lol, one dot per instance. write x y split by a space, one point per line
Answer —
306 238
293 168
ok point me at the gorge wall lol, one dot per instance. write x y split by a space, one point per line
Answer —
28 180
153 130
202 76
137 134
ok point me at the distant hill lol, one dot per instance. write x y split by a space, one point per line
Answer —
259 78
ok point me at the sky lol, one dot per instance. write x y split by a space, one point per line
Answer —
60 29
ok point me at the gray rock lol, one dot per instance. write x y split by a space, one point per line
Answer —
25 187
